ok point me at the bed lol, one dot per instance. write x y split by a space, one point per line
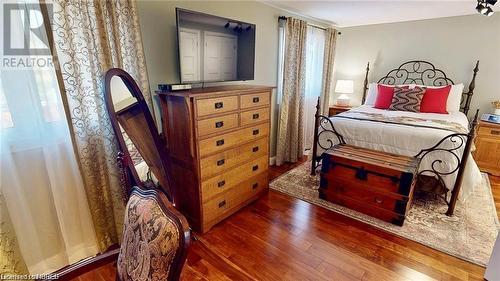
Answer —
442 141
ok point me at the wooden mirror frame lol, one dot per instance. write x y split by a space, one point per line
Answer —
134 119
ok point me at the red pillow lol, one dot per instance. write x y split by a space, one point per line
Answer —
435 99
384 96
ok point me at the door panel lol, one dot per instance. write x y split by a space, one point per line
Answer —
190 55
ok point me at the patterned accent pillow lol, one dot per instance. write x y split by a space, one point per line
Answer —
406 99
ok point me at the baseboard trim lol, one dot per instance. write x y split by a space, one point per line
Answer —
272 161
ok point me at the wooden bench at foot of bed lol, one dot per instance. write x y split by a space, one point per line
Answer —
372 182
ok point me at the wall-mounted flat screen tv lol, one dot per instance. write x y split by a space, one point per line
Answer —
214 49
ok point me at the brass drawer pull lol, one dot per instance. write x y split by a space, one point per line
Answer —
255 116
255 149
219 124
222 203
378 200
221 183
220 162
255 185
255 168
255 100
219 105
495 132
255 132
220 142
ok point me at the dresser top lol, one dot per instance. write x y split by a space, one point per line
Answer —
489 124
211 91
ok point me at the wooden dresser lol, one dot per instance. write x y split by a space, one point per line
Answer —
487 153
218 139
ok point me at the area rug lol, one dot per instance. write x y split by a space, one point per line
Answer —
469 234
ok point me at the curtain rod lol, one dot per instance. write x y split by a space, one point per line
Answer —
309 24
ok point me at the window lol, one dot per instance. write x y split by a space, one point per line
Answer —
315 47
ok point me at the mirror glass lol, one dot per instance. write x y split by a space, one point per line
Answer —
120 94
122 97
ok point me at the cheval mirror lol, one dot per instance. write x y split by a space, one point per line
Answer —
141 149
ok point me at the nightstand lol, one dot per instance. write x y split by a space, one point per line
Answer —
336 109
487 153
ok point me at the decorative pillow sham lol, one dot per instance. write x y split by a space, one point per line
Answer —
406 99
372 93
454 97
435 100
384 96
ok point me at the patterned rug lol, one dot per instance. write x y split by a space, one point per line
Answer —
469 234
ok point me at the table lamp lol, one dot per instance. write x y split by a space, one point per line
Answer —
344 87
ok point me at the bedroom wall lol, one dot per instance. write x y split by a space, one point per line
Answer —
452 44
157 21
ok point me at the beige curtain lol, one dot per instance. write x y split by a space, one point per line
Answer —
328 60
90 37
290 144
11 261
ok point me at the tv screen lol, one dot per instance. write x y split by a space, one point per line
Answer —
214 49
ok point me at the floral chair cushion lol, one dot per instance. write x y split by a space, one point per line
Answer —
150 241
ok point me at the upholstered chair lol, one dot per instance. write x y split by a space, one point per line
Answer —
155 239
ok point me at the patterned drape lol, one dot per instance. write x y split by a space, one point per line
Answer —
90 37
290 128
328 60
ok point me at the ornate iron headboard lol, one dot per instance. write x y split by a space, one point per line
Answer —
423 73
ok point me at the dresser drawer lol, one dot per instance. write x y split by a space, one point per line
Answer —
218 143
232 178
491 132
225 160
254 116
210 106
254 100
215 208
220 204
217 124
248 189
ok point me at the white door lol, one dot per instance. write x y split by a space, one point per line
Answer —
190 55
212 61
229 49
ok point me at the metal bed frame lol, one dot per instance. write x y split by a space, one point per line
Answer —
422 73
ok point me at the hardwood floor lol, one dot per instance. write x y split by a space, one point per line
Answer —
283 238
495 188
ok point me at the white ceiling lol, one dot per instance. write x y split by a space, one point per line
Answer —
344 13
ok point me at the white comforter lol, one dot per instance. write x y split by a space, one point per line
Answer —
406 140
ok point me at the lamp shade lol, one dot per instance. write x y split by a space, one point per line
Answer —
344 87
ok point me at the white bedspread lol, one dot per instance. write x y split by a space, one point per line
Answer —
407 140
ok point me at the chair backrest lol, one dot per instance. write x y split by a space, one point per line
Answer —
155 238
129 113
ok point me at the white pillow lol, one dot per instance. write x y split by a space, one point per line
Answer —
454 98
371 95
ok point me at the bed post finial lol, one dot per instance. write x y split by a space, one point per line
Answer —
315 141
470 93
365 87
472 84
